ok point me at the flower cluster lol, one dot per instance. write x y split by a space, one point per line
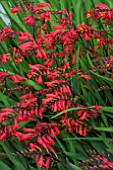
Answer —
97 161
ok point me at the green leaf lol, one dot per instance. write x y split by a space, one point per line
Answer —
77 57
60 166
3 166
75 167
15 160
6 100
102 77
88 138
107 109
105 129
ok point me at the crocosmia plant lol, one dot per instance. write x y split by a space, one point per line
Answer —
56 82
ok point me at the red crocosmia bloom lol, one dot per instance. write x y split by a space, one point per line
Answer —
52 83
35 111
50 140
39 80
17 78
15 10
29 130
66 65
3 74
108 17
48 62
17 56
85 116
6 33
57 131
5 57
41 5
34 9
45 139
103 161
24 36
43 53
16 125
21 136
99 13
41 142
4 135
37 158
101 6
33 146
40 160
53 132
80 130
27 96
41 110
18 60
96 107
74 58
38 54
86 36
23 118
6 112
86 31
45 16
51 149
89 14
111 58
30 102
85 76
28 46
30 20
84 131
47 164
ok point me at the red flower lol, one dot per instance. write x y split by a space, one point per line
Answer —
74 58
17 78
27 96
3 74
96 107
101 6
6 33
85 76
21 136
41 142
41 5
5 112
15 10
45 16
39 80
30 20
28 46
86 31
89 14
4 135
40 161
17 56
30 102
5 57
99 13
16 125
24 36
47 164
